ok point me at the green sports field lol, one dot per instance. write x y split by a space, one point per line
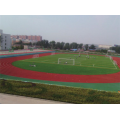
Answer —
70 64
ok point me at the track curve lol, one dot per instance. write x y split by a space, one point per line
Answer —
8 69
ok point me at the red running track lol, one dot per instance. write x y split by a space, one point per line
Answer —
7 68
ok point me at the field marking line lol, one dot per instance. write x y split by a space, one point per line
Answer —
113 63
40 62
98 67
91 65
72 65
92 62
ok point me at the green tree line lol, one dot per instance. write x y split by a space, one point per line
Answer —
55 45
116 48
62 45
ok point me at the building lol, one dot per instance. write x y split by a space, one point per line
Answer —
26 41
104 47
25 46
25 38
111 51
5 41
13 41
32 38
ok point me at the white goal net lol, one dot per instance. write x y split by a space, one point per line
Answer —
113 61
66 61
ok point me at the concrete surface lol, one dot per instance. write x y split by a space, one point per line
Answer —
15 99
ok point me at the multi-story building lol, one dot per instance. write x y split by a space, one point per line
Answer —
38 38
34 38
14 36
29 37
103 47
5 41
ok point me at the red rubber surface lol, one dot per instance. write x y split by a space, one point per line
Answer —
7 68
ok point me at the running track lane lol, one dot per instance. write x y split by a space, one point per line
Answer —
7 68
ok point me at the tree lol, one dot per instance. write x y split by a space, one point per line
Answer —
73 45
21 46
52 43
20 42
116 48
112 48
43 43
57 45
62 45
80 45
103 51
86 47
46 44
92 47
67 46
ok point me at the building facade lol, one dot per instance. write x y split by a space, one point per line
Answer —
5 41
29 37
104 47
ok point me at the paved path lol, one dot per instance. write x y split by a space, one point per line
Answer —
15 99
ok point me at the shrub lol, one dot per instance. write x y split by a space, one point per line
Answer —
60 93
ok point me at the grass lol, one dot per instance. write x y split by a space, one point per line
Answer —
95 65
59 93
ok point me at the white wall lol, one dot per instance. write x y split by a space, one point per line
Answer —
105 46
6 44
6 41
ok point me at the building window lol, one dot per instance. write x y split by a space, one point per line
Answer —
5 36
5 43
5 47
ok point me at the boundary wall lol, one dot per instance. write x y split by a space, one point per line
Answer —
16 55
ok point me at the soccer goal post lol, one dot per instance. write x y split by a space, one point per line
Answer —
66 61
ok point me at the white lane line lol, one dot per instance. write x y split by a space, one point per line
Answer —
113 63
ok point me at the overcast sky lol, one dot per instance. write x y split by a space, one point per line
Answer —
91 29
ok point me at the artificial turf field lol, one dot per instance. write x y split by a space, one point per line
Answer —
94 65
